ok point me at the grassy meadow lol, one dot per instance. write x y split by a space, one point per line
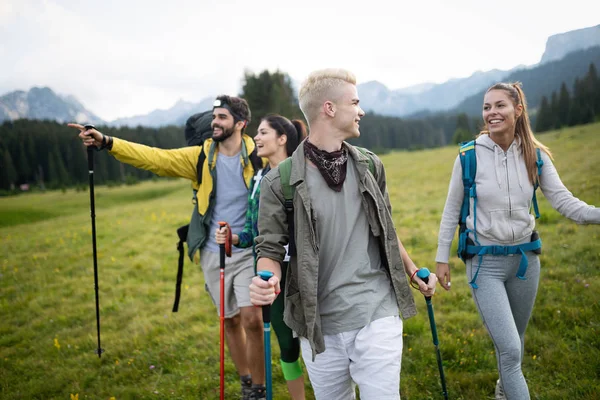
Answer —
47 313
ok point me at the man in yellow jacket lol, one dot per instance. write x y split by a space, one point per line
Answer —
229 156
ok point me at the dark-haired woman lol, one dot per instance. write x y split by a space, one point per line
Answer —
276 139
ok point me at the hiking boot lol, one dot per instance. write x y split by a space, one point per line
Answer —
259 393
499 393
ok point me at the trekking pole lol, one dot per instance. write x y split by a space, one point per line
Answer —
224 249
90 155
423 273
266 312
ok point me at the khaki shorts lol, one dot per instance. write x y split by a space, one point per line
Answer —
239 271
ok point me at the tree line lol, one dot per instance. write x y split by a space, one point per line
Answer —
49 155
580 106
46 154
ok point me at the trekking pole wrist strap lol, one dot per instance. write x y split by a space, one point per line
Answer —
413 283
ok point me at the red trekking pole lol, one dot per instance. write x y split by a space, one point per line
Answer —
225 250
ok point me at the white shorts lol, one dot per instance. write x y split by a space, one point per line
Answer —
239 271
369 357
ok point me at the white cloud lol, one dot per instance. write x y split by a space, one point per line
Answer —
129 57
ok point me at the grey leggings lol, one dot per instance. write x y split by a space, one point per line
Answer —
505 303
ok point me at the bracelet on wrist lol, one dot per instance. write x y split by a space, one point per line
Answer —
107 142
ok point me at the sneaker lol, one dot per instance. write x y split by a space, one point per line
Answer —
259 393
247 391
499 393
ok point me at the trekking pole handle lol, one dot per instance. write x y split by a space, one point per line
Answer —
90 151
265 276
228 240
424 273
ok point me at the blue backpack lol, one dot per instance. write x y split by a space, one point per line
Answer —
468 248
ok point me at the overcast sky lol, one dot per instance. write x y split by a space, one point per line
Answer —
122 58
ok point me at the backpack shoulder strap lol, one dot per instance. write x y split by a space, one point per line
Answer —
202 159
468 162
285 171
369 154
540 163
200 164
182 233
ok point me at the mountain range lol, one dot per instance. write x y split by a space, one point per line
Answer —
455 95
44 103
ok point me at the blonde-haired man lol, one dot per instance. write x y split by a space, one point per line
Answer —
345 286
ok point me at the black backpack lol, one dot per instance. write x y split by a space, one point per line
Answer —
197 130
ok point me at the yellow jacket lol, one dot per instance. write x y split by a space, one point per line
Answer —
183 162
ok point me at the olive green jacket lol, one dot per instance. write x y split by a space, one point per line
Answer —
301 310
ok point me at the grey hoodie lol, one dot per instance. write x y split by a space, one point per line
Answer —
504 196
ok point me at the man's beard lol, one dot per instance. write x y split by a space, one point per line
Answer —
224 135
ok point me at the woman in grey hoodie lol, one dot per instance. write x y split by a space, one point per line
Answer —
506 174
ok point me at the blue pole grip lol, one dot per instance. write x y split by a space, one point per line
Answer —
424 273
265 276
266 311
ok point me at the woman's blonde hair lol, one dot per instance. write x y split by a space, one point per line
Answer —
522 128
317 89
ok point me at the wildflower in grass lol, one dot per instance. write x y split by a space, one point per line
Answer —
116 362
75 396
56 344
152 367
112 398
113 259
534 357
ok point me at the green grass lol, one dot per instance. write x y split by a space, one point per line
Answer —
47 309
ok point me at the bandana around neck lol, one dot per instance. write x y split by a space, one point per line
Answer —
332 166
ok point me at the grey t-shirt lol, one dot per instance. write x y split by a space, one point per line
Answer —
353 289
231 199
